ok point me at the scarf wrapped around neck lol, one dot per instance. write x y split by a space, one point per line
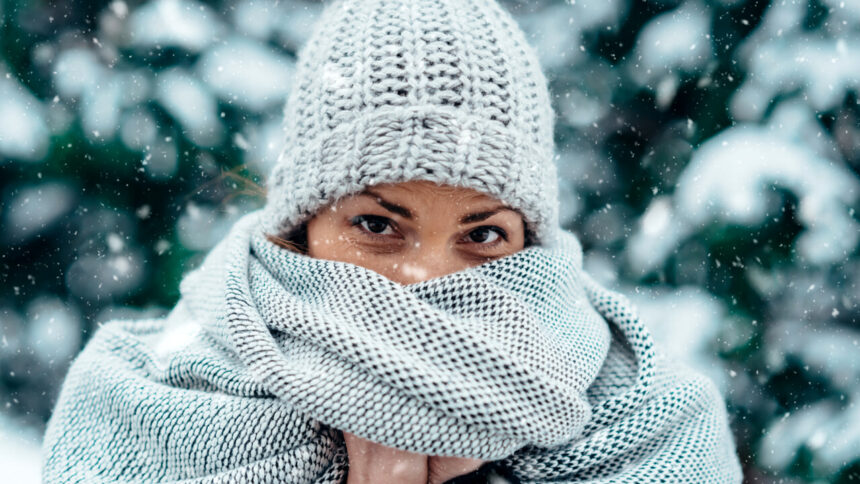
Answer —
269 354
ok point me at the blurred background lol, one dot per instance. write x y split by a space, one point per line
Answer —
708 152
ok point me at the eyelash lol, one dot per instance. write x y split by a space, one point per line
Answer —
503 236
358 220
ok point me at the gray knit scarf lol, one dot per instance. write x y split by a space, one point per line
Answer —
524 360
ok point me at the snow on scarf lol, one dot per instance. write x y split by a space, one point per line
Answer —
524 359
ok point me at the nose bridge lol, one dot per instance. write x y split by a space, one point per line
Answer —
429 259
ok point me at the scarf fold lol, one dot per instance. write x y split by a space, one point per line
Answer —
269 354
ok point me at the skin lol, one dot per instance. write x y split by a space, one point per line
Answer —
373 230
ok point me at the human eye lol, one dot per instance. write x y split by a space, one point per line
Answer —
487 236
373 225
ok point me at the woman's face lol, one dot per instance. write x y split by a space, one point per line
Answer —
416 230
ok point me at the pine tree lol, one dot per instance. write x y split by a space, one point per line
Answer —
708 153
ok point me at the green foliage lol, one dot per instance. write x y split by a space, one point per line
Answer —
141 199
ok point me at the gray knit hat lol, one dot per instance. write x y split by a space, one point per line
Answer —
396 90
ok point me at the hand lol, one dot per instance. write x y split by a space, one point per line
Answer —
442 469
370 462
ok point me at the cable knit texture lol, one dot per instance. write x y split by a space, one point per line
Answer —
524 359
395 90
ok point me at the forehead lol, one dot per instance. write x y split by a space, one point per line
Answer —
422 188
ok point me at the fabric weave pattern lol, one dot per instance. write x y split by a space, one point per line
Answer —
524 359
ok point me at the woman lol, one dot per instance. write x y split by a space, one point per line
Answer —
405 308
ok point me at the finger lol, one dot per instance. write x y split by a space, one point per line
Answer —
370 462
442 469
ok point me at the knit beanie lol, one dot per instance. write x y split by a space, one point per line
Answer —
388 91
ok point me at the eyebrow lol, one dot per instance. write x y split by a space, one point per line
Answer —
391 207
478 216
407 214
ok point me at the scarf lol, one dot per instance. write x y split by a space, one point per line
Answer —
269 354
